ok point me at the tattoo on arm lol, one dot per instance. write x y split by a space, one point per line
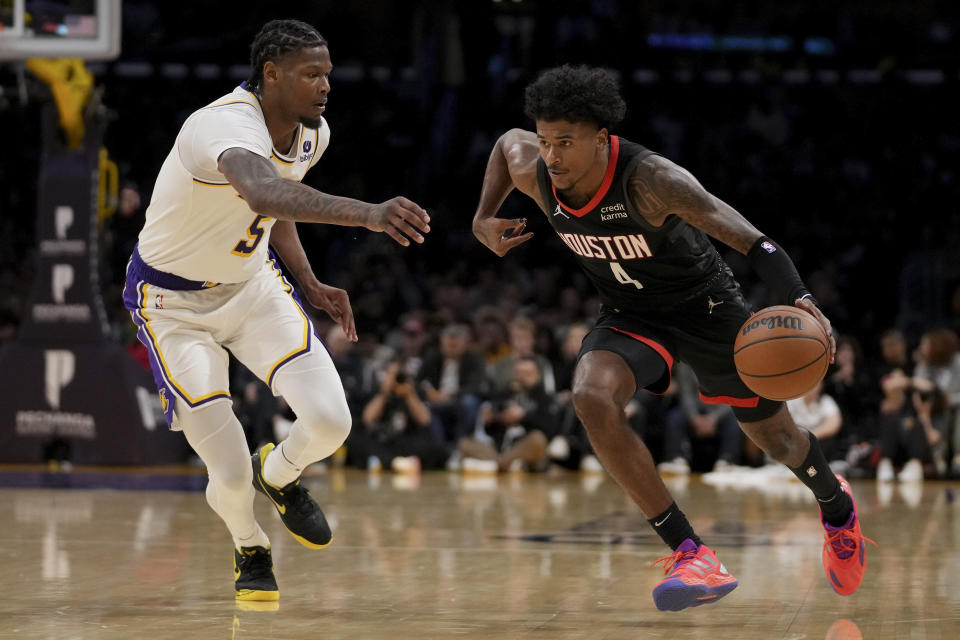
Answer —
645 200
659 188
289 200
270 194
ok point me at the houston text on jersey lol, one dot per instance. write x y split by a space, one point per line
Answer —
623 247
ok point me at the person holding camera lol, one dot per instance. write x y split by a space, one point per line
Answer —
916 410
517 425
910 434
453 380
692 426
911 402
395 429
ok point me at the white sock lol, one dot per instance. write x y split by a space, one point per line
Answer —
217 437
256 539
279 471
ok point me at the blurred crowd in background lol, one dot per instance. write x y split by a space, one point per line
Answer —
831 127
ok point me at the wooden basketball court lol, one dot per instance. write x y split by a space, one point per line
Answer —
451 556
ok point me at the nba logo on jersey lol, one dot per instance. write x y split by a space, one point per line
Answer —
766 246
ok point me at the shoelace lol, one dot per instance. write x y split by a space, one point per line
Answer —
674 559
256 566
844 542
299 498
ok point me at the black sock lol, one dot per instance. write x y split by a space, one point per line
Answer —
673 527
814 472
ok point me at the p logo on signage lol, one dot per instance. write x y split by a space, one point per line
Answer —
62 220
61 279
59 369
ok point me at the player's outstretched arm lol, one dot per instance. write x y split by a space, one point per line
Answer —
512 165
659 188
268 193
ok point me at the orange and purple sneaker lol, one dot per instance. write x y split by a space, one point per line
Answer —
694 576
844 558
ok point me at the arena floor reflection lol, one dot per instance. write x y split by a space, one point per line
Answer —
444 555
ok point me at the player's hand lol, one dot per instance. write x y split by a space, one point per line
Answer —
812 309
500 235
400 219
336 303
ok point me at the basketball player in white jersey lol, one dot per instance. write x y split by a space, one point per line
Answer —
202 281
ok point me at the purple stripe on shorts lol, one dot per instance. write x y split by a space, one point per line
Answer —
140 270
133 303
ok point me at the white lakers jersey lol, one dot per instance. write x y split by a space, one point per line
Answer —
197 225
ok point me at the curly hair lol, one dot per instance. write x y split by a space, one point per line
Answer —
275 40
576 94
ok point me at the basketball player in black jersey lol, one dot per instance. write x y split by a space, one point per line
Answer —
638 225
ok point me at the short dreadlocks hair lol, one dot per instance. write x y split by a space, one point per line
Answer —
275 40
575 94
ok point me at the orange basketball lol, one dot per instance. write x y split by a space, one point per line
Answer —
781 352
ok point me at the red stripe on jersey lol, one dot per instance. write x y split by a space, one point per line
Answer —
747 403
604 186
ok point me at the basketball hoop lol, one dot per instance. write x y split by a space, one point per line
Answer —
34 29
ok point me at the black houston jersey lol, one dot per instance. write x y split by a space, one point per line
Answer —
633 264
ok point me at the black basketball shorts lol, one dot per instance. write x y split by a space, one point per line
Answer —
699 331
